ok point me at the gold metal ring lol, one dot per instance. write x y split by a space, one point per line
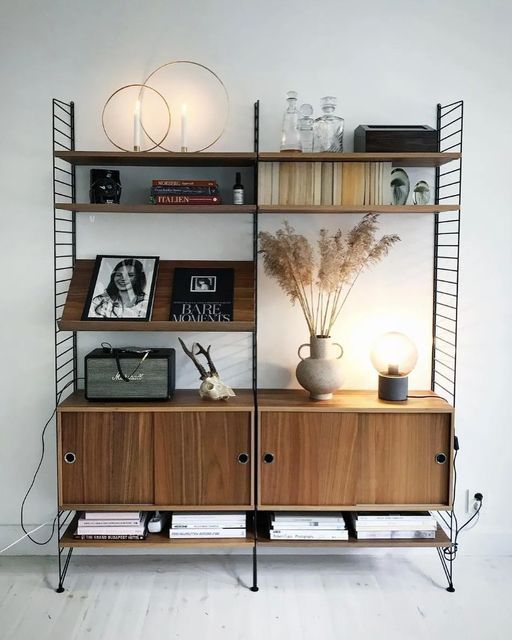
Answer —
197 64
142 87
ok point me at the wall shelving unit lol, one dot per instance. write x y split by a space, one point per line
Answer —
240 475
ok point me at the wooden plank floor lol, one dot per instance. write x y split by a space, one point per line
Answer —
300 598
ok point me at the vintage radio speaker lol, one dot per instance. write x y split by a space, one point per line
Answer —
130 373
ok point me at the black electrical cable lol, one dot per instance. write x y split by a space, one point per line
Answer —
38 542
450 553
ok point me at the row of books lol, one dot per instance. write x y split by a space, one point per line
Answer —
324 183
185 192
309 525
212 524
112 525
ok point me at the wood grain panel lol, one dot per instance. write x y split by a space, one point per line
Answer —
243 307
120 209
354 208
114 458
397 464
196 458
157 158
315 458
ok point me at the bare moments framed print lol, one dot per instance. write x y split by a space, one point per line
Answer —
121 288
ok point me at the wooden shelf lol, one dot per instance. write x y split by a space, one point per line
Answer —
156 159
183 400
398 159
85 207
383 208
153 540
243 307
349 401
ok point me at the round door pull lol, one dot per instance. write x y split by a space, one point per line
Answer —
70 457
243 458
268 458
440 457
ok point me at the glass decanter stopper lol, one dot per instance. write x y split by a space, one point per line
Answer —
306 127
328 129
290 139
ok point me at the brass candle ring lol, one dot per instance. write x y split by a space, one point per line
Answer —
142 87
202 66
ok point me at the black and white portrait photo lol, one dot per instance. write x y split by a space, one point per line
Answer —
203 283
122 288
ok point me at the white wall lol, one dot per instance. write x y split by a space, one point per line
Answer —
387 63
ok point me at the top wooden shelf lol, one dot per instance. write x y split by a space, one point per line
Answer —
156 159
171 159
350 401
398 159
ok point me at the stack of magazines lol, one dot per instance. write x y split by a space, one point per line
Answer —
112 525
212 524
387 525
308 525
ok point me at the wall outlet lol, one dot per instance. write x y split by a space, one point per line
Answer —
471 503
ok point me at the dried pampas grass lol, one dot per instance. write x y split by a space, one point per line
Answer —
321 284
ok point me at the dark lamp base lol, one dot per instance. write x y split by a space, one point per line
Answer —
394 389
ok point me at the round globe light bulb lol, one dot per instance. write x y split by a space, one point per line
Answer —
394 355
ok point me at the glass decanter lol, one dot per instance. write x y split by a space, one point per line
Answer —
306 127
290 139
328 129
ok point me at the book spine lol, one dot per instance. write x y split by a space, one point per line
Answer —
108 523
185 200
208 533
184 183
110 531
408 526
389 535
78 536
112 515
310 525
183 191
306 535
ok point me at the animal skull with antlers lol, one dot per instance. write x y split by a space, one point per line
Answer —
212 387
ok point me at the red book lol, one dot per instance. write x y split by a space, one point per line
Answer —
186 200
184 183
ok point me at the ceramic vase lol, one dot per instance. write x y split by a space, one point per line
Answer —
320 373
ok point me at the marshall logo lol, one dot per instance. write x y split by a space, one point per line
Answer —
133 378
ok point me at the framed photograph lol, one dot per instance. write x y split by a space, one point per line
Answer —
121 288
203 283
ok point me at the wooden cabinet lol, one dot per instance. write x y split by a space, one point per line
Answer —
183 453
354 452
106 458
203 458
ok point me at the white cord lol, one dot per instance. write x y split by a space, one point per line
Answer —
25 536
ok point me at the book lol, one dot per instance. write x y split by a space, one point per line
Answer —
353 183
327 183
335 526
392 515
184 191
389 535
405 526
185 199
202 295
207 533
308 516
109 536
184 183
112 515
82 522
305 534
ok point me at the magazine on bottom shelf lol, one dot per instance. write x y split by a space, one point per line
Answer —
207 533
389 535
109 536
307 534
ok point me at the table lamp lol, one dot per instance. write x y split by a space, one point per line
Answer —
394 356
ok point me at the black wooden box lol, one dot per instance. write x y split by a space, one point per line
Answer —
389 138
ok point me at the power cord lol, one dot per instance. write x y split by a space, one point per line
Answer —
450 553
22 509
